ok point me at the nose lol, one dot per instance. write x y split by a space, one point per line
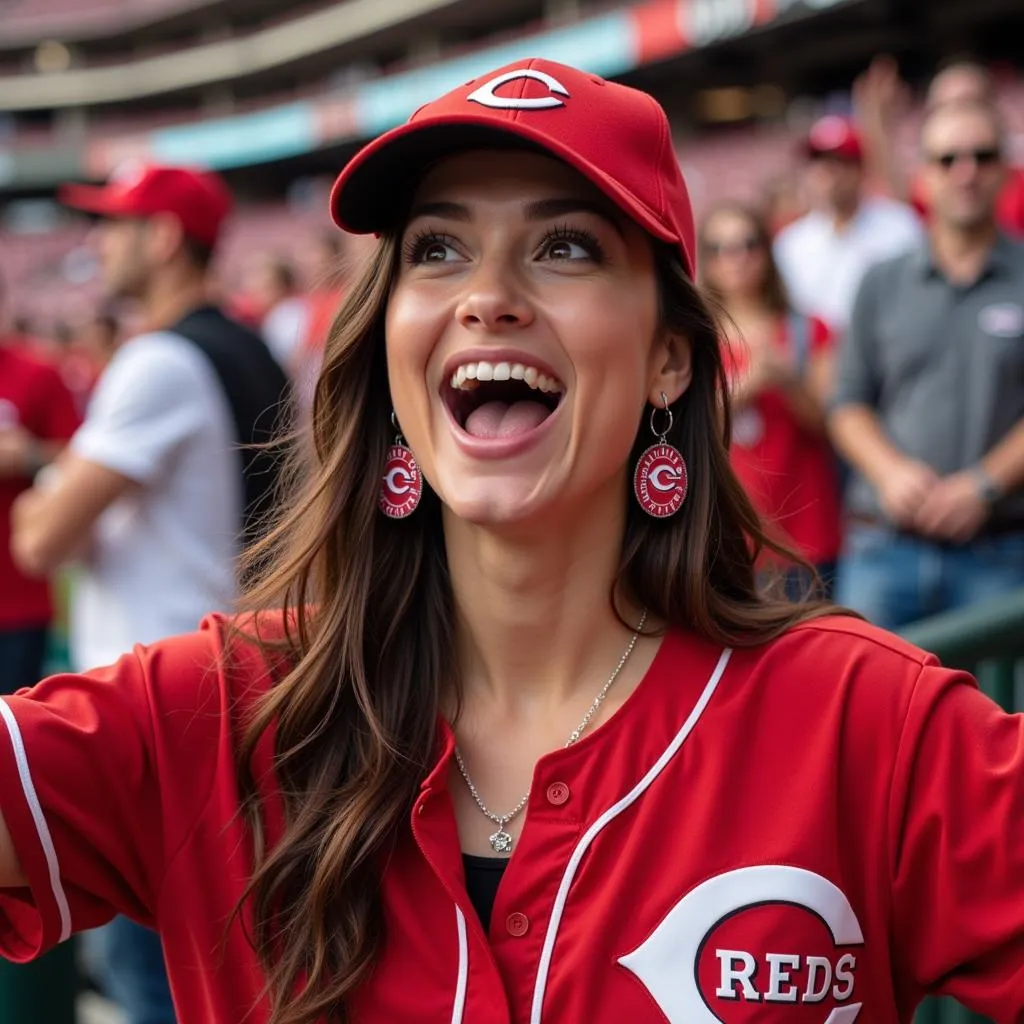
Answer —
494 300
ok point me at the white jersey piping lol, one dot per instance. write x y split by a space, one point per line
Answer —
613 812
42 829
460 988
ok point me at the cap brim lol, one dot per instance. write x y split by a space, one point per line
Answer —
373 191
88 198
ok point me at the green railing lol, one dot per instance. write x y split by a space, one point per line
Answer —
988 641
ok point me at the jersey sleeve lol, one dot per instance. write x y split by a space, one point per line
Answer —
102 776
957 827
147 405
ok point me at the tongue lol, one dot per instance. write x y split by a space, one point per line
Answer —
499 419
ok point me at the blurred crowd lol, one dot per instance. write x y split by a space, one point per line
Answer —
873 313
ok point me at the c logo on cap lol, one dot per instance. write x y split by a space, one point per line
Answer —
486 97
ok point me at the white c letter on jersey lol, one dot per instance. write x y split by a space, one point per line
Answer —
486 97
666 962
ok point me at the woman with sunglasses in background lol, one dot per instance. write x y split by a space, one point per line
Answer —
780 366
527 744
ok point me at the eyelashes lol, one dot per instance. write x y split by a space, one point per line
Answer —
577 236
415 247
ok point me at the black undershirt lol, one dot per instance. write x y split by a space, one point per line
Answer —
483 875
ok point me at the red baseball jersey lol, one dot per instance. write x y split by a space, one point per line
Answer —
820 829
34 398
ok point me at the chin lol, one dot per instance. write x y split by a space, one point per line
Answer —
495 503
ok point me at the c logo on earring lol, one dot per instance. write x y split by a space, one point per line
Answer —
664 477
660 481
401 485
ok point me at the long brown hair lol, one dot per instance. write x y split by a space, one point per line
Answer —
369 613
773 290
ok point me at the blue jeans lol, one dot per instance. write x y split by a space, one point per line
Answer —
22 652
127 961
893 579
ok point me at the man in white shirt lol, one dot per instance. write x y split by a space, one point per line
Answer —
156 492
823 255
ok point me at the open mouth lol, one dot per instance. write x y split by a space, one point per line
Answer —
501 400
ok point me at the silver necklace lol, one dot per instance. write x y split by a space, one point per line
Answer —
501 841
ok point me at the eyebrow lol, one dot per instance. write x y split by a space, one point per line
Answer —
542 209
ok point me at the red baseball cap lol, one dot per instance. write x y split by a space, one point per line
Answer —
199 199
835 136
616 136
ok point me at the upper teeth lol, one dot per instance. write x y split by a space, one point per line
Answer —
468 375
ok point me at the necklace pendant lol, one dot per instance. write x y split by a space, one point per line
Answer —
501 841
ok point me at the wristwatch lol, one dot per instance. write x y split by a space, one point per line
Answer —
988 489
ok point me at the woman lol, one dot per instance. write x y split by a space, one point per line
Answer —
517 624
780 366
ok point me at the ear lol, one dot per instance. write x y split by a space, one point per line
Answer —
164 237
672 364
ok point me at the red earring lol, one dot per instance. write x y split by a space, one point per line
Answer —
660 480
401 485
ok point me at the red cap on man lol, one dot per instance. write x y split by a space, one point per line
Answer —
835 136
616 136
199 199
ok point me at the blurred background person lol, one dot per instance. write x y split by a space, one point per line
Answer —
37 418
282 310
155 490
96 340
783 201
882 98
824 254
929 403
781 368
326 275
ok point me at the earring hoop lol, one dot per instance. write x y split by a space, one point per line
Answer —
669 421
396 428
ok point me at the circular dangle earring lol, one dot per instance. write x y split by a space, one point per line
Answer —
660 480
401 485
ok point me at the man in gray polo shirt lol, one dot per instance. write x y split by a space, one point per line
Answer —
929 400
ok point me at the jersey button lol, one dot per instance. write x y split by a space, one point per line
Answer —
517 925
558 794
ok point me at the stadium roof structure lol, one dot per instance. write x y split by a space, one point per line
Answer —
610 44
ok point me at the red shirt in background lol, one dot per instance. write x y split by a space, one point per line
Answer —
32 396
1009 206
788 470
323 308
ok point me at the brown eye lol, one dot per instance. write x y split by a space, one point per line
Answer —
570 245
435 252
563 250
430 247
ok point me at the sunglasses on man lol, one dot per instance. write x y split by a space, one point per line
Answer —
985 156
